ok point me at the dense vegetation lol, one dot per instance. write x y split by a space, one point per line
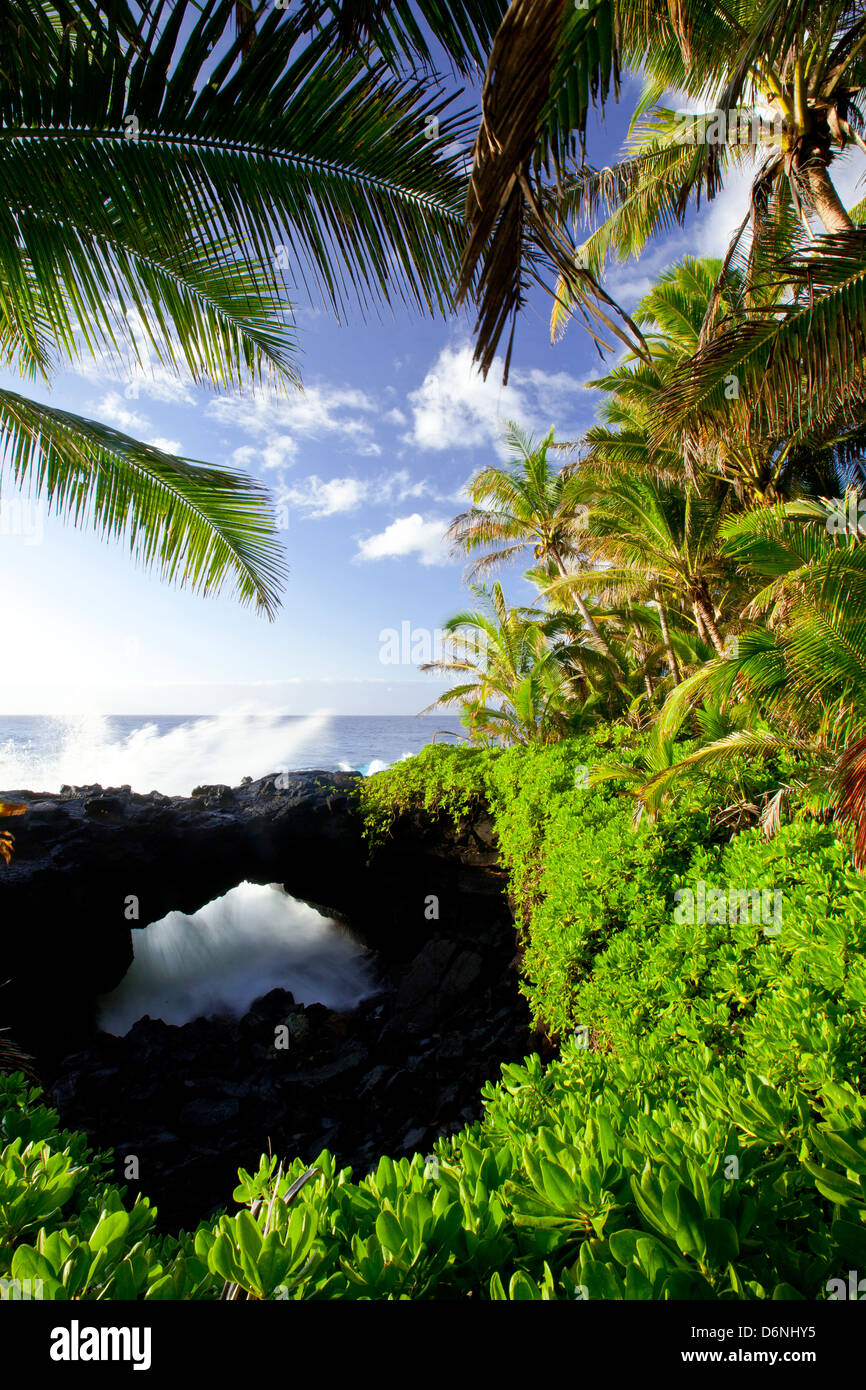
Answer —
670 737
701 1134
722 612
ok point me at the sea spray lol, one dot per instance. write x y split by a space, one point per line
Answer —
218 960
222 748
376 765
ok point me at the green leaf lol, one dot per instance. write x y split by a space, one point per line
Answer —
722 1242
110 1233
850 1238
389 1232
249 1237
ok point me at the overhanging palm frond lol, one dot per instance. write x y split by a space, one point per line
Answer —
646 193
800 68
549 62
401 29
195 524
345 175
795 366
158 166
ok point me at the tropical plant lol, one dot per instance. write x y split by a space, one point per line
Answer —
793 370
605 1174
661 544
524 505
401 31
511 688
797 686
162 182
799 67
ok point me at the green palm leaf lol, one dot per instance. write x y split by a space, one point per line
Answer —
156 168
798 365
195 523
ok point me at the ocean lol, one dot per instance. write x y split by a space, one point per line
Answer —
173 754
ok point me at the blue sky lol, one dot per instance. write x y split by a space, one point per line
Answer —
368 465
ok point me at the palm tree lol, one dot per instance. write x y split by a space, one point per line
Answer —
401 30
636 639
511 686
798 360
155 166
802 65
796 683
660 543
528 505
653 512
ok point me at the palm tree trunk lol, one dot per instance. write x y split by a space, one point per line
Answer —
825 200
666 638
704 614
594 632
589 621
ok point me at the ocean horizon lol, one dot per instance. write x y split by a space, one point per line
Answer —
174 753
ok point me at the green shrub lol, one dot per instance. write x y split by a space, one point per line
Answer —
578 871
708 1143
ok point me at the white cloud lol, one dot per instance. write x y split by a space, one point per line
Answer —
159 384
280 450
455 408
395 417
397 486
320 498
281 421
135 363
152 381
168 446
112 408
408 535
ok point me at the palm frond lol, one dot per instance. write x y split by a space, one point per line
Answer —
402 31
549 62
346 176
793 367
195 524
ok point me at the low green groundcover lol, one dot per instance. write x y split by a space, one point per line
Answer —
703 1134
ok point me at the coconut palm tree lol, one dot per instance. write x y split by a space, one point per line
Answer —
660 543
795 684
512 687
800 68
401 30
157 169
527 505
797 361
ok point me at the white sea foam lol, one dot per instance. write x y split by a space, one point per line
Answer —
376 765
236 948
223 748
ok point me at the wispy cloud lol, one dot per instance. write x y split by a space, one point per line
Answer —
317 498
281 422
113 409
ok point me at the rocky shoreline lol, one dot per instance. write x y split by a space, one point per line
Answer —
191 1104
